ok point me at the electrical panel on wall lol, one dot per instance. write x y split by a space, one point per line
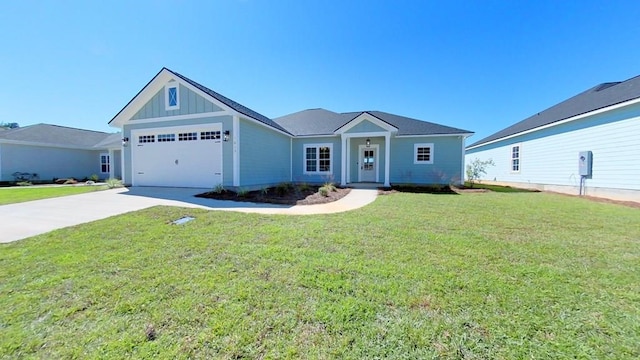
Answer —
585 162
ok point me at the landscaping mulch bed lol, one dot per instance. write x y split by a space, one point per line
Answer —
292 195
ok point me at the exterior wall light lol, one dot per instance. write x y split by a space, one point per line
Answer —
368 142
125 141
227 135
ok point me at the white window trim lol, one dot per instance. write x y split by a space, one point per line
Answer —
511 158
415 153
108 163
304 159
166 96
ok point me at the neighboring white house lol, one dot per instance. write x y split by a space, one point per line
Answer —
591 139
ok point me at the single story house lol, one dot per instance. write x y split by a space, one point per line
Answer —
44 152
180 133
587 144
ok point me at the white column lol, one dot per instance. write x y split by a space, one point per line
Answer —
110 163
343 156
235 140
387 158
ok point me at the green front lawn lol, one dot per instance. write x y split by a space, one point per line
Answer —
29 193
412 276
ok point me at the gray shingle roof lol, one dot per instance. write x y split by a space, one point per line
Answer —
324 122
598 97
55 135
230 103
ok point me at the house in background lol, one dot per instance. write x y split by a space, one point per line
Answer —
587 144
53 151
180 133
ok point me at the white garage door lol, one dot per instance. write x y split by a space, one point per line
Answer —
186 156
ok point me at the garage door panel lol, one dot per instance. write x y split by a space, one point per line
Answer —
186 163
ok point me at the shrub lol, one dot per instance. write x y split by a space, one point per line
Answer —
218 189
476 169
113 183
329 186
264 191
283 189
304 186
94 178
242 192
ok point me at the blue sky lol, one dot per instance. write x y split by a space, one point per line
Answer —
476 65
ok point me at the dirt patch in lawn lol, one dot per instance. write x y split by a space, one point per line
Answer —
282 194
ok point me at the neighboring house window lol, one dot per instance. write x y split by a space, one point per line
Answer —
209 135
423 154
317 158
146 138
166 137
187 136
104 163
172 96
515 158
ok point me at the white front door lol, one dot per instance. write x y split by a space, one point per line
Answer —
368 171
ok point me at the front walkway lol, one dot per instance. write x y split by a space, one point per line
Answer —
22 220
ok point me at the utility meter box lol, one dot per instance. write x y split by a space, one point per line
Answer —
585 160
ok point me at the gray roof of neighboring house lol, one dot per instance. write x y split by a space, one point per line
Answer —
324 122
112 141
230 103
56 135
598 97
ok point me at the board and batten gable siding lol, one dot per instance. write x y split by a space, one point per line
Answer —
265 156
190 103
354 151
447 161
298 153
364 127
227 147
550 156
48 162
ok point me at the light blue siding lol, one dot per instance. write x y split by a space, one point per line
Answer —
446 167
48 162
190 103
365 126
116 162
550 156
227 147
264 156
298 160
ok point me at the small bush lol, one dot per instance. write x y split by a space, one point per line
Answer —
324 191
24 183
218 189
94 178
329 186
264 191
283 189
304 187
242 192
114 183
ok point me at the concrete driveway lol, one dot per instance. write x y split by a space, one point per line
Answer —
22 220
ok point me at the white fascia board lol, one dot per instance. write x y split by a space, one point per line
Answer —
366 134
181 117
574 118
39 144
314 136
362 117
465 135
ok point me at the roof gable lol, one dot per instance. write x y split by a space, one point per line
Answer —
358 124
163 77
598 97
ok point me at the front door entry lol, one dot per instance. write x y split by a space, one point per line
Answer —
368 164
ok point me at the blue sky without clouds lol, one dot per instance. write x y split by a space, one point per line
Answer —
476 65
